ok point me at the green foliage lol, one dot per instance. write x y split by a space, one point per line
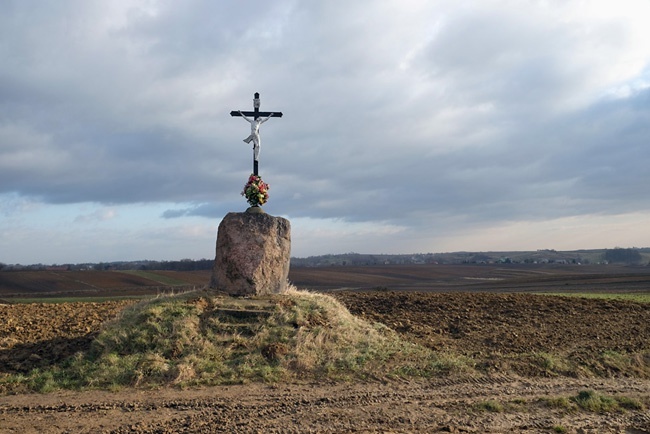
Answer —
491 405
630 403
553 364
589 400
561 403
592 401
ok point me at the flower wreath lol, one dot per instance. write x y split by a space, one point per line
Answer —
256 191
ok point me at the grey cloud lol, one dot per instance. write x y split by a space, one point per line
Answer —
200 210
391 114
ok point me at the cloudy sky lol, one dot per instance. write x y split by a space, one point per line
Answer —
409 126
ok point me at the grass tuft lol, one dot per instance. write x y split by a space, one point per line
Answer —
560 403
491 406
590 400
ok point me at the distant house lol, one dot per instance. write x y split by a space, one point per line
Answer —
57 268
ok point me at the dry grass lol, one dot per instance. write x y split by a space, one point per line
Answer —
592 401
201 338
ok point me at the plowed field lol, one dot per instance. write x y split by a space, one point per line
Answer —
514 339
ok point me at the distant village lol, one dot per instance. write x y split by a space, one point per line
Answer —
626 256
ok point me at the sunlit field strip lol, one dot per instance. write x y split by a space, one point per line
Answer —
637 297
55 300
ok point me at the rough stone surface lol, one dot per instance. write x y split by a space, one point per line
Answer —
253 254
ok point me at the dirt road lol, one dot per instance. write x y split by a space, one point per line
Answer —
436 406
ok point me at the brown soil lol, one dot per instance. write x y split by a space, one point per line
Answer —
508 331
503 333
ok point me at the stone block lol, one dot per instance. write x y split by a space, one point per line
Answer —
253 254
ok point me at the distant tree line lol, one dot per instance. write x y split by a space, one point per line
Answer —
631 256
625 256
181 265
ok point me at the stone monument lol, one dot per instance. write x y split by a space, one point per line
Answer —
253 254
253 248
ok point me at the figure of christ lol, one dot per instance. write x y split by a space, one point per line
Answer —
255 133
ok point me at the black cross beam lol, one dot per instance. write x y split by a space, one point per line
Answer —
256 113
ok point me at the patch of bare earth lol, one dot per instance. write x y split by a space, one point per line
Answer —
38 335
493 329
507 332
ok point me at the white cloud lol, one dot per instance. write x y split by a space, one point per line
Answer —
99 215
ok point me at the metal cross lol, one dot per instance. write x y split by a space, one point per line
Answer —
255 125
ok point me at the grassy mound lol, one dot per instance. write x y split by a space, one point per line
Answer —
199 338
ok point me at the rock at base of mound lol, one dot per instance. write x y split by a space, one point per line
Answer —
253 254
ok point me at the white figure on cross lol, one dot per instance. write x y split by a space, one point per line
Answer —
255 133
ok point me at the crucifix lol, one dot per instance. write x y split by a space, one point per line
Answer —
258 119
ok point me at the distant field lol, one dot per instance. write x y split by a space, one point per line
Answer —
559 279
478 278
35 284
